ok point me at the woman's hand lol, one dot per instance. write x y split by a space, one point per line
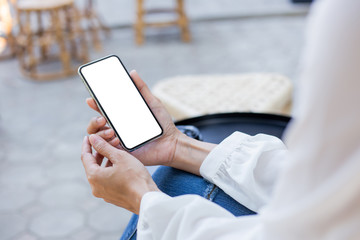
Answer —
172 149
124 182
158 152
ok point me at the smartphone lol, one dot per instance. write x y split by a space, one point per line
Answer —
120 102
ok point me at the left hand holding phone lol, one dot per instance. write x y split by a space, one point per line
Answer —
158 152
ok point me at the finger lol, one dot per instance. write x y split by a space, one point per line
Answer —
115 142
87 158
141 85
92 104
96 124
107 134
104 128
104 148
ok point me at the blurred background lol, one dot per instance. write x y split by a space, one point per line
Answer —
43 116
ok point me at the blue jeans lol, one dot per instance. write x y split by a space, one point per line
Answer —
175 182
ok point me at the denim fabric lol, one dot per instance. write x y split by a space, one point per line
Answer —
175 182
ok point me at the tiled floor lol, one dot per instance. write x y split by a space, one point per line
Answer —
43 190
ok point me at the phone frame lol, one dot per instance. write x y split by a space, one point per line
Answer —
87 85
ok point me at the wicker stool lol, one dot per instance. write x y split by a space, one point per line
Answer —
45 26
94 24
181 21
190 96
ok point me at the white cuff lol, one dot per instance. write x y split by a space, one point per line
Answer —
209 168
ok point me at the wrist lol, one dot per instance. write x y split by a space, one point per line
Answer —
190 154
140 192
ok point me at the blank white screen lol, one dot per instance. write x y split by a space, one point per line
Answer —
121 102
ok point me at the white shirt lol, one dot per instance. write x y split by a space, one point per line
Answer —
311 191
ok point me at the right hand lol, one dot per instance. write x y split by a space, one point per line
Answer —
112 183
158 152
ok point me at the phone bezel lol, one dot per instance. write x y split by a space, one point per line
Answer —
103 111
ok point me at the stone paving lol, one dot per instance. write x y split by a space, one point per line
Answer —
43 189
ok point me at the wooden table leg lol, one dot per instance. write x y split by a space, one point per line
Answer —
183 21
81 34
139 24
31 65
69 28
94 24
64 54
40 32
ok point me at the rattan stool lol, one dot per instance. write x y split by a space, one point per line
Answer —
43 27
94 24
181 21
190 96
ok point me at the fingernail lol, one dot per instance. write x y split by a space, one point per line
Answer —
99 119
108 132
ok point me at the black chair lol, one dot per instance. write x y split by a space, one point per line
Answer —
216 127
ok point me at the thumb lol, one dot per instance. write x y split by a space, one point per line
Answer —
104 148
141 85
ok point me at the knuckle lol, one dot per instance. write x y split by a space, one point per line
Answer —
93 125
92 177
104 133
100 147
90 128
118 155
100 133
114 142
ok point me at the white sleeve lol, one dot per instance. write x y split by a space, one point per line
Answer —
189 217
246 167
317 193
